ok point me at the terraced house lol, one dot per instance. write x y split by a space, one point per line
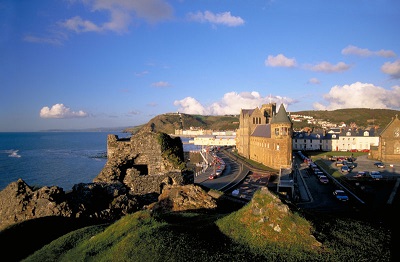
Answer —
265 136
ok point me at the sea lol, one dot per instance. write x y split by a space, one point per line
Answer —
55 158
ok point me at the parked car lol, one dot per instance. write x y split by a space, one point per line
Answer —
361 174
376 175
340 195
379 165
345 169
323 179
351 165
339 163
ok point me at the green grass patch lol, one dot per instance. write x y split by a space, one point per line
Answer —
242 235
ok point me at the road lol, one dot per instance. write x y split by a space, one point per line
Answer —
233 174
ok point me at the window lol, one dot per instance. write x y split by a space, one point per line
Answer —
277 131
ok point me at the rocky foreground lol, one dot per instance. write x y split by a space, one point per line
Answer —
137 171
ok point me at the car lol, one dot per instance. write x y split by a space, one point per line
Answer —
339 163
213 176
340 195
379 165
345 169
376 175
351 165
323 179
361 174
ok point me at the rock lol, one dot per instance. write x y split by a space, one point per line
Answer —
183 198
105 201
18 202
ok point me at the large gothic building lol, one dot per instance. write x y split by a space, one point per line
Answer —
265 136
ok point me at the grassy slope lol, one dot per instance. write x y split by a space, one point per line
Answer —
220 236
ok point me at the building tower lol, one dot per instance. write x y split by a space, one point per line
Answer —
281 134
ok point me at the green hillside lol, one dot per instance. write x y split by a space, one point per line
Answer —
168 123
222 235
362 117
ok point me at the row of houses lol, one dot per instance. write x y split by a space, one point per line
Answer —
331 140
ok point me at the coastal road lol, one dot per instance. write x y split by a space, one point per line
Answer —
232 175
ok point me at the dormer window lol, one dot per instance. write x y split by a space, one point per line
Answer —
366 133
333 136
348 134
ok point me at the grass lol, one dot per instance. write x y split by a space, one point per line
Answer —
240 235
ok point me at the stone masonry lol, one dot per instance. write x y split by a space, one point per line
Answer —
141 164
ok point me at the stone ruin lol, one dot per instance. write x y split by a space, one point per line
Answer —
145 163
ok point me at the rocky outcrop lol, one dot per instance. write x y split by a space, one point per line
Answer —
183 198
19 202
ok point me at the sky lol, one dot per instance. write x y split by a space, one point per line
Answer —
75 64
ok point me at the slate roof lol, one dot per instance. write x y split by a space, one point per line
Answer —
281 116
360 132
305 135
247 111
262 131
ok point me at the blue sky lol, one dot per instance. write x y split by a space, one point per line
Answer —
104 63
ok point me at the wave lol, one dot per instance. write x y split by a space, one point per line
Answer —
12 153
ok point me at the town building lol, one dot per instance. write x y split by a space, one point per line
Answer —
351 139
265 136
388 149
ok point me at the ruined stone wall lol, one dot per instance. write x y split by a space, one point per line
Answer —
140 164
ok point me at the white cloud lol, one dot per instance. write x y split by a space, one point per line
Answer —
314 81
354 50
139 74
224 18
160 84
60 111
53 40
189 105
392 69
327 67
121 13
360 95
230 104
280 60
79 25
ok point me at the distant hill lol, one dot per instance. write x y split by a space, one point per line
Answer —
169 122
363 117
